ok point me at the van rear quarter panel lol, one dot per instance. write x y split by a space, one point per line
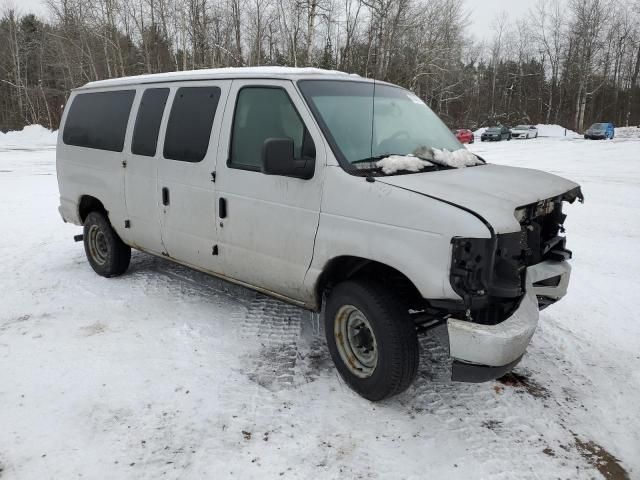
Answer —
402 229
89 171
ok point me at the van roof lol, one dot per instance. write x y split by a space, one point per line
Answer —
289 73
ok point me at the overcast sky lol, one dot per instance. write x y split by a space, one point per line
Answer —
481 12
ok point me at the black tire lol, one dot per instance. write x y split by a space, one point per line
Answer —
394 337
106 252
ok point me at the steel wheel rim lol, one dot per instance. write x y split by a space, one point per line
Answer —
98 245
356 341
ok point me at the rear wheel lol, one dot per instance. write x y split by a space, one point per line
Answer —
106 252
371 338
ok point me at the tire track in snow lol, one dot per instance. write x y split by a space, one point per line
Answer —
276 326
493 419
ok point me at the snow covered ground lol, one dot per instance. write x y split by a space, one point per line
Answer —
168 373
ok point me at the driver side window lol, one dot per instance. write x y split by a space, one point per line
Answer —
262 113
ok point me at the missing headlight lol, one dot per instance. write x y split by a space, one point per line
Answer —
487 267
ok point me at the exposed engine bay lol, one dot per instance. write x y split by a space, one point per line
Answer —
489 273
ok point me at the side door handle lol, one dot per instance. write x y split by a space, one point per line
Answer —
165 196
222 207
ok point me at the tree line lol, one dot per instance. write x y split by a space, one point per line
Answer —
569 62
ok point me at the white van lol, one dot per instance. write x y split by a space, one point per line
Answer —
326 190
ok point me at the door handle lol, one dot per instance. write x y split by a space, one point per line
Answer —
222 207
165 196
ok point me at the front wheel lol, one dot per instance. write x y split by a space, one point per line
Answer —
107 253
371 338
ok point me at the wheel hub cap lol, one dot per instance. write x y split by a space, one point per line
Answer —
355 341
98 245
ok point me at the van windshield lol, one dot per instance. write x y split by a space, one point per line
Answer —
362 127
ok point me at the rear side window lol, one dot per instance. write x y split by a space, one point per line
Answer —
262 113
99 120
190 122
145 133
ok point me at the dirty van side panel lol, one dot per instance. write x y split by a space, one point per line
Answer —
187 160
266 237
90 151
141 173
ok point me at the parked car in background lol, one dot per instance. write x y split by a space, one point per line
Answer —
524 131
496 134
600 131
464 135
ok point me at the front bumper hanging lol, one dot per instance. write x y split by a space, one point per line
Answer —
484 352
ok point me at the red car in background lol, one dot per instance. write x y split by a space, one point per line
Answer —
464 136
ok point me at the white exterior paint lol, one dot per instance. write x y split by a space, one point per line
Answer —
188 222
492 191
524 132
267 238
281 232
143 205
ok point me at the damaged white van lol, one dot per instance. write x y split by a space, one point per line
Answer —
326 190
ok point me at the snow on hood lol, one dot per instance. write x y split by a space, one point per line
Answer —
428 157
396 163
492 191
458 159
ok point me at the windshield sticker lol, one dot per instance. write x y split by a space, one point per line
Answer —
415 99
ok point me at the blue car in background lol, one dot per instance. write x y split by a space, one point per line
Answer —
600 131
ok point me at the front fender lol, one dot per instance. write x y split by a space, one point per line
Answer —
402 229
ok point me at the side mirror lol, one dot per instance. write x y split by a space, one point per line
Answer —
277 159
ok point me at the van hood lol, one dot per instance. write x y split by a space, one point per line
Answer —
491 191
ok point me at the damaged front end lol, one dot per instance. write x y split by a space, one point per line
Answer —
489 273
504 281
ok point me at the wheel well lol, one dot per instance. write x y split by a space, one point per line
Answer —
344 268
89 204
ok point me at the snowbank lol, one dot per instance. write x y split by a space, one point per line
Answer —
556 131
627 132
29 136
